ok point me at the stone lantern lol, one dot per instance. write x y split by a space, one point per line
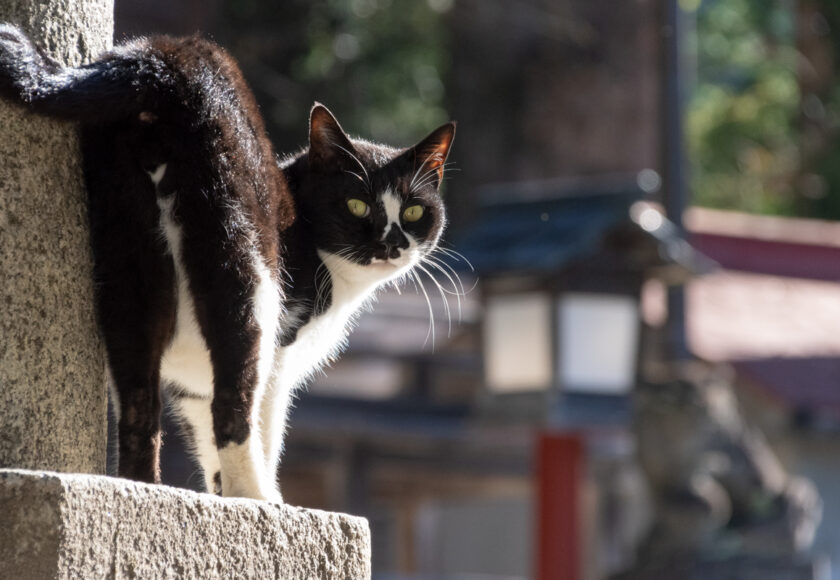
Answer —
561 270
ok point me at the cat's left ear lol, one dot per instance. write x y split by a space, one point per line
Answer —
328 143
430 154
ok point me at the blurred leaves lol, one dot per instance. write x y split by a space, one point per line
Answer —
379 65
762 119
741 119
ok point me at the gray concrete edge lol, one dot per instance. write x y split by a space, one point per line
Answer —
57 525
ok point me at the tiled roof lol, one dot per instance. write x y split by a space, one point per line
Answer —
758 227
542 235
778 318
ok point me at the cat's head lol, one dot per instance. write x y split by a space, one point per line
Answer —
374 210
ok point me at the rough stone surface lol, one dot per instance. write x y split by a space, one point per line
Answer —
84 526
51 361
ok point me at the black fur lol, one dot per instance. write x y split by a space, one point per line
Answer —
183 102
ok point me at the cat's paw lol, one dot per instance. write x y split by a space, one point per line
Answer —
273 496
249 489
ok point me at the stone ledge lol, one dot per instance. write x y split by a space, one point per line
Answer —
55 525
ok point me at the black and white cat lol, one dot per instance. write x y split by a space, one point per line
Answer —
221 272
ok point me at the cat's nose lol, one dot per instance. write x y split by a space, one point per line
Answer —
392 243
387 252
395 237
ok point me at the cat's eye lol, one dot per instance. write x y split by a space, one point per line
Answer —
358 208
413 213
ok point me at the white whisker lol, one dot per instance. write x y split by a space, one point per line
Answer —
357 176
457 256
413 283
430 261
450 273
443 297
416 173
356 159
431 331
430 175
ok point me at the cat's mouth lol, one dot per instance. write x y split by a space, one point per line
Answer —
379 266
387 264
403 259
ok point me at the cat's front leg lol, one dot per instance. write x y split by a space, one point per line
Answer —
197 424
274 415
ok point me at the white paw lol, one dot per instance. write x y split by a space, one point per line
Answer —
261 492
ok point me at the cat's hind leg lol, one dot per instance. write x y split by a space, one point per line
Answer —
237 308
135 389
134 296
242 352
134 343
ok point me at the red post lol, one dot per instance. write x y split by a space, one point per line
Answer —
560 464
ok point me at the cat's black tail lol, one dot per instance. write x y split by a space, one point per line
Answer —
126 81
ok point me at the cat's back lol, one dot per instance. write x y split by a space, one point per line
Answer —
204 79
190 181
192 85
198 128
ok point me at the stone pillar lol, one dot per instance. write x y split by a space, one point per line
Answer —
52 394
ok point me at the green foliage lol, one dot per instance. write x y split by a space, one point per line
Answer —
742 116
379 65
821 113
762 138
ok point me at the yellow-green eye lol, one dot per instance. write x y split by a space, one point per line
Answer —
413 213
358 208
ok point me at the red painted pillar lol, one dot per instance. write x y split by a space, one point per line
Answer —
559 474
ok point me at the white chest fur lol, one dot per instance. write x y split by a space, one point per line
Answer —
186 361
323 337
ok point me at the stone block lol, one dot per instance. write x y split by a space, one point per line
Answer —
85 526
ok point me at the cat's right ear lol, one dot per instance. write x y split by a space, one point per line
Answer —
328 143
429 156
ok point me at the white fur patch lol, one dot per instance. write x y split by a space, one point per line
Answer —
274 411
267 311
244 472
392 204
157 174
320 341
186 361
266 303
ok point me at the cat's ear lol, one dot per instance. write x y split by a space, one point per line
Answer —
429 156
328 143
